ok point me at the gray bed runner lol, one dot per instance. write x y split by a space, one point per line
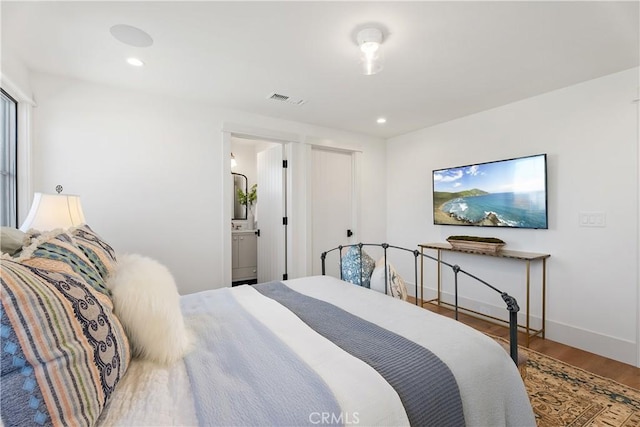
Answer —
242 374
425 384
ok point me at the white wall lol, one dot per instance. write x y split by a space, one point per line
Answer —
589 132
150 170
15 75
246 156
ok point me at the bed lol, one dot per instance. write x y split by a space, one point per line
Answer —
308 351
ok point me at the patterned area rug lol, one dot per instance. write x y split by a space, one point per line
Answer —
564 395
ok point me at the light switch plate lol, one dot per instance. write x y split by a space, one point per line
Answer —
592 219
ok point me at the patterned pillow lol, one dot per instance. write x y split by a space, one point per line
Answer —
63 351
397 287
99 252
353 270
57 251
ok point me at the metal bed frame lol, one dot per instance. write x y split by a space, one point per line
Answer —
512 304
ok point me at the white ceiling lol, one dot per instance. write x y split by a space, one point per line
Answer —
442 60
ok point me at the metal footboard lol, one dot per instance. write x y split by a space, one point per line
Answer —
512 304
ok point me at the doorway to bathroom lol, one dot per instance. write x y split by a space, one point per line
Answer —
258 235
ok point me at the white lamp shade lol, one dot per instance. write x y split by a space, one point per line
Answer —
51 211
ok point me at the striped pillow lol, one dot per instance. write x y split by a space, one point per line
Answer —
57 251
99 252
63 351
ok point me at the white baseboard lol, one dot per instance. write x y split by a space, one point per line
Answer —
603 345
594 342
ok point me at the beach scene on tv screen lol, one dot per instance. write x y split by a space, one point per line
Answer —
507 193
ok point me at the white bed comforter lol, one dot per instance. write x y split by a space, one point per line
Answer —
490 386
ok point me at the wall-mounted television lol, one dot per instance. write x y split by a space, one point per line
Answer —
504 193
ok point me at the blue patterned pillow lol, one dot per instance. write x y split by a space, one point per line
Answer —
354 271
63 350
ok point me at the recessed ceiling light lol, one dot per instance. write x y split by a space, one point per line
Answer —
135 62
381 120
131 35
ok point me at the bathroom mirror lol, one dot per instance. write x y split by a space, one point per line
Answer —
239 182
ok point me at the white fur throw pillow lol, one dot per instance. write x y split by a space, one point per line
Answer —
147 302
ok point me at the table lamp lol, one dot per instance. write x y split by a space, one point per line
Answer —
51 211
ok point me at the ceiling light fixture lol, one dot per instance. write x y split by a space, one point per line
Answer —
234 163
135 62
369 41
381 120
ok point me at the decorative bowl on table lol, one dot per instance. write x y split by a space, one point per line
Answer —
476 244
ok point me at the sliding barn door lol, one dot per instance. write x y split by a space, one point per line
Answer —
332 205
270 213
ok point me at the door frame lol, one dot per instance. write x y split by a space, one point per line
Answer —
298 153
230 130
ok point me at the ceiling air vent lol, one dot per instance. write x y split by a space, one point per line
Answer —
285 98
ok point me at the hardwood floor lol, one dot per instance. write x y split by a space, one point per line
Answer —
618 371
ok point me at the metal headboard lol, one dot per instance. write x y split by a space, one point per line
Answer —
512 304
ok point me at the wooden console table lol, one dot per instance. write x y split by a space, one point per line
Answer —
528 257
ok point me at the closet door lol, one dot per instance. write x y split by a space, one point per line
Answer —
332 205
270 211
